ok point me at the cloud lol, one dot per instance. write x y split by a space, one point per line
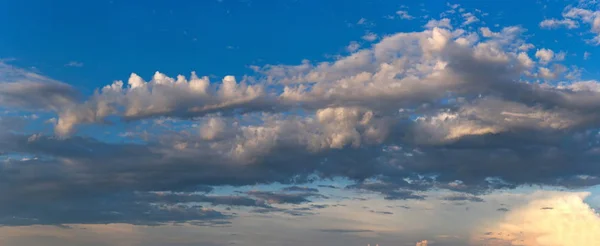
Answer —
469 18
403 14
462 197
281 198
369 36
74 64
554 23
22 89
344 230
445 22
381 212
574 16
353 46
545 55
300 189
438 108
570 222
422 243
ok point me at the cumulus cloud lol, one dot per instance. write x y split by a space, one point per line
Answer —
545 55
555 23
570 222
469 18
369 36
403 14
574 17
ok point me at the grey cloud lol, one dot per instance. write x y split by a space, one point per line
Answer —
21 89
381 212
391 191
344 230
301 189
292 212
462 197
168 197
281 198
328 186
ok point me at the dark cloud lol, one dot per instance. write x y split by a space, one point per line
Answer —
175 198
328 186
344 230
381 212
462 197
391 191
301 189
85 209
22 89
292 212
281 198
503 209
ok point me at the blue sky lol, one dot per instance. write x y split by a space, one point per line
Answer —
113 39
245 122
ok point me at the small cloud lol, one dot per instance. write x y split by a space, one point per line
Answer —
353 46
369 36
328 186
364 22
74 64
586 55
403 14
503 209
469 19
547 208
554 23
422 243
462 197
381 212
344 230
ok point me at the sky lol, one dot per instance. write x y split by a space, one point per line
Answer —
299 122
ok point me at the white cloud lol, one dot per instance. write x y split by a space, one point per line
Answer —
576 15
353 46
403 14
445 23
556 219
162 95
544 55
469 19
369 36
586 55
422 243
74 64
554 23
364 22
